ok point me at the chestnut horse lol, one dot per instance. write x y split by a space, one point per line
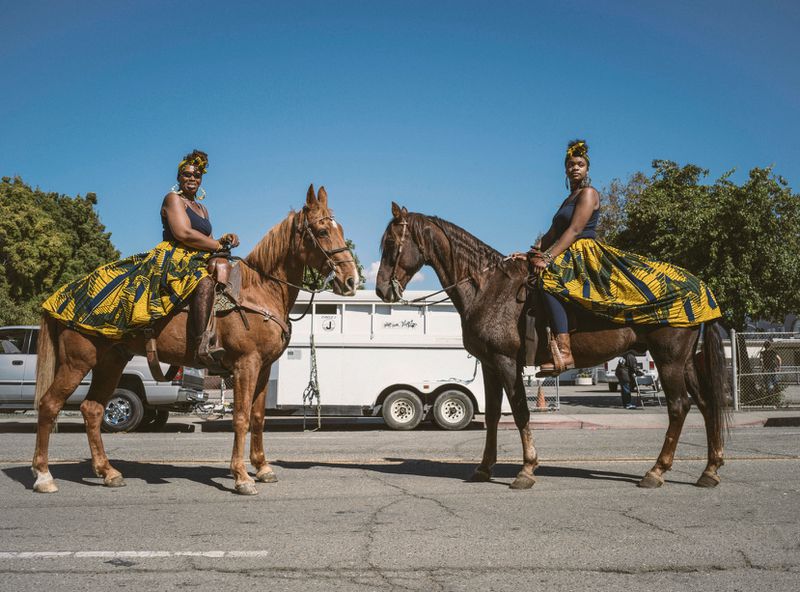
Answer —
310 238
488 291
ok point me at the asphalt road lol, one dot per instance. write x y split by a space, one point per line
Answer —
369 509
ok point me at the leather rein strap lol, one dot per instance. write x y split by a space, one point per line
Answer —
151 353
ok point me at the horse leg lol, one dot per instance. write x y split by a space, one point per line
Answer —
245 378
678 405
69 372
66 381
104 379
515 389
493 394
258 459
710 477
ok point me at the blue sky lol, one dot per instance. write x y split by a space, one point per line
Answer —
459 109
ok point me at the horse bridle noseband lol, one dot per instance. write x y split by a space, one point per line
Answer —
306 229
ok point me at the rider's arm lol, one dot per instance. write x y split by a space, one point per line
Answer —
586 203
174 210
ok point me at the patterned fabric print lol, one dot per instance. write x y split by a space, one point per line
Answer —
125 296
627 288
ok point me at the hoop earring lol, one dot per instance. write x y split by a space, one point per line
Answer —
201 195
176 189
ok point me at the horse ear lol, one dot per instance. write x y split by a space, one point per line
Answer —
310 196
396 211
405 212
323 196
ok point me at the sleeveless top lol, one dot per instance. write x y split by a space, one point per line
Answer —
563 218
199 224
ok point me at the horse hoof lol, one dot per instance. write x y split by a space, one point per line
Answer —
45 486
480 476
651 481
523 482
115 481
708 480
267 477
246 489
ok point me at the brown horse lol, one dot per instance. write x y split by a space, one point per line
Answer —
488 291
310 238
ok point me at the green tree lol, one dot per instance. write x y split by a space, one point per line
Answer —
743 240
46 240
312 279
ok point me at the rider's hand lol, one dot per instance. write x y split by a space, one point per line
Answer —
537 264
230 238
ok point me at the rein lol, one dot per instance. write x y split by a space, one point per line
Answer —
398 289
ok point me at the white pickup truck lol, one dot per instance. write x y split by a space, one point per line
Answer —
138 401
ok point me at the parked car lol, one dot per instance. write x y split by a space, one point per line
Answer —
644 363
138 401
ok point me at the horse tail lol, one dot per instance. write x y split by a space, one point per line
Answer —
46 356
714 379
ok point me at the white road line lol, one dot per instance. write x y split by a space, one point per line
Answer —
127 554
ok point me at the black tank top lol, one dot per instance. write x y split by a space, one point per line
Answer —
199 224
563 218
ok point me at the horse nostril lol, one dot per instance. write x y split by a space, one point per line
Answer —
350 283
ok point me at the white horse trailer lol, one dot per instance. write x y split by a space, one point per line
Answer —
403 362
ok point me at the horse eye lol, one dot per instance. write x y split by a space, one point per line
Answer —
323 233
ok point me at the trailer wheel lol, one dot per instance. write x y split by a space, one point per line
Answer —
452 410
402 410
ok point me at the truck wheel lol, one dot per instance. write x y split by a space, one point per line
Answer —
452 410
124 412
612 386
402 410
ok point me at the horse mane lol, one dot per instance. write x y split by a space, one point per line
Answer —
271 250
473 255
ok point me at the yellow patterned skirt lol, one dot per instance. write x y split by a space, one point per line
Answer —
626 288
126 296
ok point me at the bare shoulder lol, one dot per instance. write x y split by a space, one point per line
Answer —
172 199
588 195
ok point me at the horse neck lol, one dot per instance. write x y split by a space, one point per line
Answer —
454 254
275 257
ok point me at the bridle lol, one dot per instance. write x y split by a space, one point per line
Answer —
305 229
397 289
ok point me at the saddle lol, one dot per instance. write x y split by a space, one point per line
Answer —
228 289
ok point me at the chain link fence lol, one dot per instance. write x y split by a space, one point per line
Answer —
766 369
542 393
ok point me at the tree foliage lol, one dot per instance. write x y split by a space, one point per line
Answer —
312 279
46 240
743 240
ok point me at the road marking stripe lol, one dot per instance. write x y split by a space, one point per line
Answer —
127 554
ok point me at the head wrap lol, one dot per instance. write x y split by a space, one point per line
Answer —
577 148
199 161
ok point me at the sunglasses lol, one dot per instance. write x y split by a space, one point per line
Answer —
189 175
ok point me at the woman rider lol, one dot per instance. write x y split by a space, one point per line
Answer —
621 287
127 296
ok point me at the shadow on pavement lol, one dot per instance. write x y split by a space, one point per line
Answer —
164 474
462 471
150 473
76 427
